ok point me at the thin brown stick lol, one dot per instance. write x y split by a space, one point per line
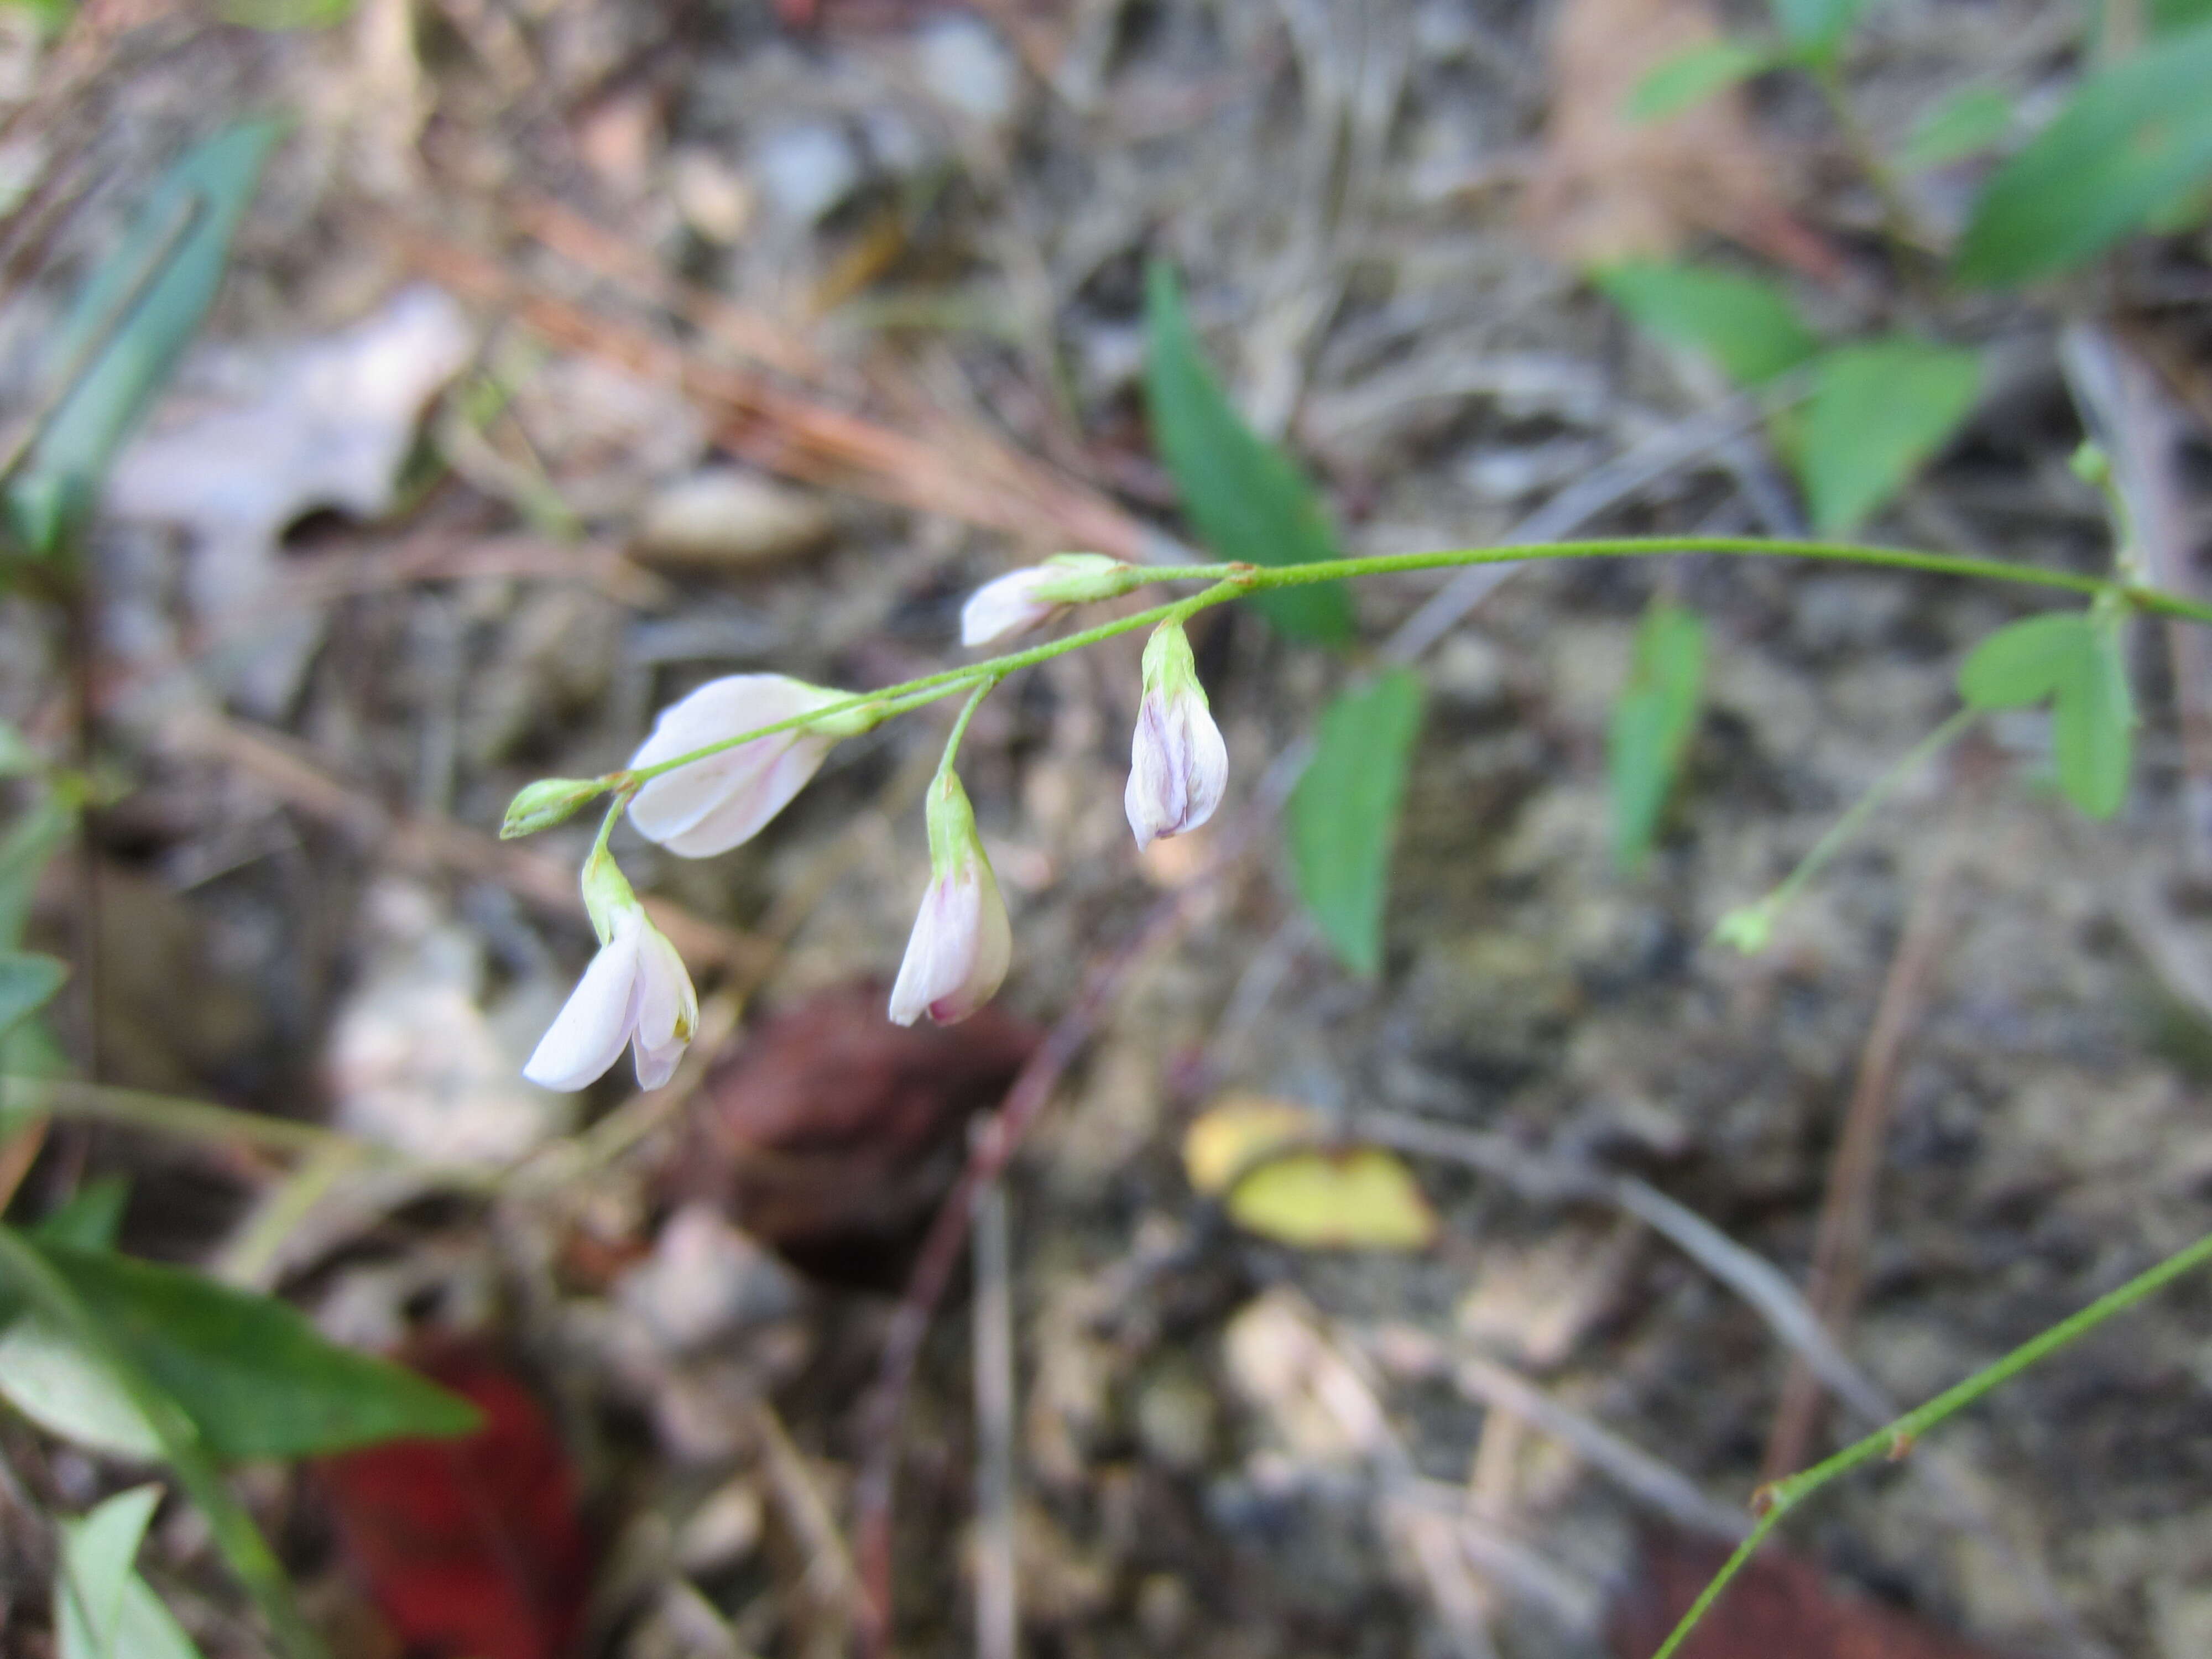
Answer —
992 1149
1846 1223
981 483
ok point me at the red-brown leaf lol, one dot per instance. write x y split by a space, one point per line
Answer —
1776 1609
472 1549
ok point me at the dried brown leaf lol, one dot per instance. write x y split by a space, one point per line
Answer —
1609 188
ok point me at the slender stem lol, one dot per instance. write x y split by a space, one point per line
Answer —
1894 1440
1833 838
1234 580
234 1533
983 689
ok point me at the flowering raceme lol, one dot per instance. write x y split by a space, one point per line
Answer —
1178 764
1026 598
635 992
960 945
712 804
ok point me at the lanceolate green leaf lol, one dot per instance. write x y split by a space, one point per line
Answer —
1878 411
93 1574
1343 820
1962 124
25 847
1690 77
1244 497
1746 326
2133 142
2074 660
1651 726
132 322
27 981
253 1375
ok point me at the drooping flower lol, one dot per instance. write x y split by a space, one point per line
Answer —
635 992
712 804
1023 599
1178 764
958 955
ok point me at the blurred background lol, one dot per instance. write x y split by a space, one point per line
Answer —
571 354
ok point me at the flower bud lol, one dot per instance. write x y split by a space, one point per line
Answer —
1178 764
635 992
1023 599
712 804
549 801
958 956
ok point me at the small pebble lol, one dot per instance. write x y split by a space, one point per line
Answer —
807 170
730 520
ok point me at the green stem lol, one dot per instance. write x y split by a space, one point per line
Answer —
1833 838
232 1527
983 689
1234 580
1894 1440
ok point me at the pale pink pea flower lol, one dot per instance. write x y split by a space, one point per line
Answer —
716 803
1028 598
1178 764
636 993
958 953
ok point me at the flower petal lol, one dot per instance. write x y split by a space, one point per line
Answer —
679 801
991 949
924 969
791 759
1008 605
586 1036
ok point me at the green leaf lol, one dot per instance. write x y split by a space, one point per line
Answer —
1651 726
144 1629
24 850
1969 121
46 1375
2171 16
1815 28
91 1218
132 322
94 1568
2075 661
27 983
1245 498
2134 141
1344 814
1692 76
1746 326
252 1373
1878 411
102 1608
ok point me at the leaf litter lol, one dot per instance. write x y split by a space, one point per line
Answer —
1232 1445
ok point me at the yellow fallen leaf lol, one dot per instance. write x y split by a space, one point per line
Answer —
1361 1199
1238 1130
1355 1198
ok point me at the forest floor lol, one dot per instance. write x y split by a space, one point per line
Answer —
572 355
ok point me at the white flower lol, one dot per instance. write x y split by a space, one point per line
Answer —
635 992
1022 599
712 804
1178 764
958 956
